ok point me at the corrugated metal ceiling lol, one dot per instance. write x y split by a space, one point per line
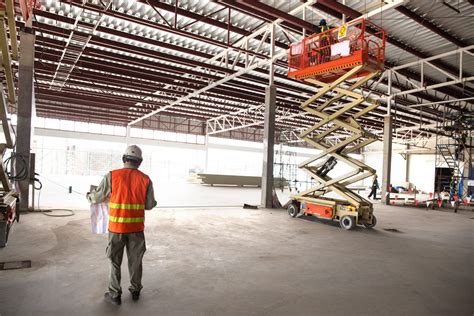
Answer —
398 26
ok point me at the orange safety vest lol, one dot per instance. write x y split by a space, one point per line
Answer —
127 201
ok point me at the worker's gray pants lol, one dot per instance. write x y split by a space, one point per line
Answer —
135 244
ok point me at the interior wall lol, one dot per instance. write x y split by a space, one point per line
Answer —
421 167
71 159
422 172
69 162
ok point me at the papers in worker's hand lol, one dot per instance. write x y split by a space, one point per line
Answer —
100 218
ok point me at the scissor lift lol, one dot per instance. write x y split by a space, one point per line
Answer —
337 61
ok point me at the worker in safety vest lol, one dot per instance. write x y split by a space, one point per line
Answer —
317 54
324 42
130 193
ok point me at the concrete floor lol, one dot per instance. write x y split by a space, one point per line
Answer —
230 261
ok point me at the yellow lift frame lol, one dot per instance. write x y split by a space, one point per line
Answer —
354 209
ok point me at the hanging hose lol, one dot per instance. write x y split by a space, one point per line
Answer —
21 168
21 172
36 180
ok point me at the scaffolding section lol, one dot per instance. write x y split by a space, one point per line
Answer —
338 61
453 150
285 167
286 162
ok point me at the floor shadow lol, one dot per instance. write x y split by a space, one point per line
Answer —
335 224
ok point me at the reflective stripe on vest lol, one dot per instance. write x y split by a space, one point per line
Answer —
127 206
127 201
126 219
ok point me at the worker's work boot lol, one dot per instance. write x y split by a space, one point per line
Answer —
112 300
135 295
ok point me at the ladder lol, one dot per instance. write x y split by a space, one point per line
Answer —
447 153
85 25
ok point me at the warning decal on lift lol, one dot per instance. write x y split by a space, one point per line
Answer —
342 31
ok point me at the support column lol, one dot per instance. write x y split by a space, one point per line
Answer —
407 164
206 146
387 158
25 110
128 135
468 165
268 144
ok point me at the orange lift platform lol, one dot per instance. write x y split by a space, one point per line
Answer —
338 61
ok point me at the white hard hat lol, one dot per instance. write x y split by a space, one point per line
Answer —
133 152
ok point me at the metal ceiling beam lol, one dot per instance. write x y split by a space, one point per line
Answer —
149 53
384 6
429 62
100 101
232 107
343 9
83 75
258 15
426 23
85 110
173 30
261 8
169 78
159 66
116 80
193 15
130 48
95 99
72 114
224 92
71 103
242 71
73 111
113 44
65 32
337 9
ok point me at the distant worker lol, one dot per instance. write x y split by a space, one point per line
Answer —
374 188
130 193
324 42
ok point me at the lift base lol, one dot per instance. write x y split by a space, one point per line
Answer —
348 215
